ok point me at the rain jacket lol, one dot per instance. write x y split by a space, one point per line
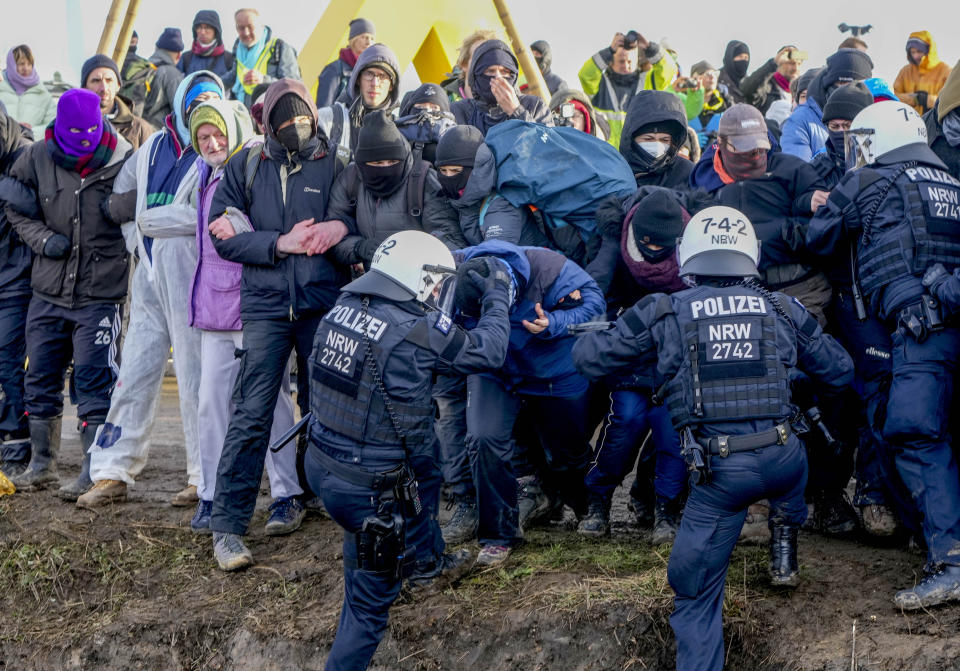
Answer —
929 76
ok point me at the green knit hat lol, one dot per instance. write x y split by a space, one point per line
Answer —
205 114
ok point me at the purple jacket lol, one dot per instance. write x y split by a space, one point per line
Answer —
215 294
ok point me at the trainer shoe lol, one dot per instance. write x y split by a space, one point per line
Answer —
462 525
102 493
286 516
314 506
185 497
230 551
447 571
493 555
878 520
936 587
200 524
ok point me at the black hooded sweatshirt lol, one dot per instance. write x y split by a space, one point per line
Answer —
650 107
554 81
730 79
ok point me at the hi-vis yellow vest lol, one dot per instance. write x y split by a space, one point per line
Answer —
260 66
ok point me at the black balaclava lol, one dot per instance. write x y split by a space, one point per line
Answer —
297 136
546 55
426 93
458 146
380 140
844 103
481 82
737 70
643 162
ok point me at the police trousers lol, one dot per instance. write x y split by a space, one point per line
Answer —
709 529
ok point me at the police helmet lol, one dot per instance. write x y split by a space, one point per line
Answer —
880 128
410 265
719 242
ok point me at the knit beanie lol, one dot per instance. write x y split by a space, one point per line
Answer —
427 93
289 105
205 114
170 40
458 146
379 139
361 26
97 61
847 101
914 43
658 220
700 68
848 65
80 109
199 87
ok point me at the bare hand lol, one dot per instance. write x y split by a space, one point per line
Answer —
324 235
221 228
506 97
642 42
538 325
817 199
617 41
252 77
295 241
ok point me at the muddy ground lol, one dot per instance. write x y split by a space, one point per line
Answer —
129 587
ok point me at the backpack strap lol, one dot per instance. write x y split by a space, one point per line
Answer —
336 128
486 206
254 157
352 181
415 186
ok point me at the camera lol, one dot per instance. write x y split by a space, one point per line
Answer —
563 114
630 39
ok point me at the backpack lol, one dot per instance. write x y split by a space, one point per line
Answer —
416 185
255 156
187 58
137 83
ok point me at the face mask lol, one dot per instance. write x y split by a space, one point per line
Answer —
295 137
454 185
739 69
655 255
835 143
481 89
745 165
951 128
655 149
382 181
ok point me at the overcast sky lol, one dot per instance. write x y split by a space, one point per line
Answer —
64 32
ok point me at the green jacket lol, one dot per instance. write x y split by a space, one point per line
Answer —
596 83
36 106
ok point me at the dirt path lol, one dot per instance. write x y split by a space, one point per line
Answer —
129 586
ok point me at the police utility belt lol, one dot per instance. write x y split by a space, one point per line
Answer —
921 318
724 446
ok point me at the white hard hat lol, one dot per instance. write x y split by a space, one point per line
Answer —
880 128
719 242
408 265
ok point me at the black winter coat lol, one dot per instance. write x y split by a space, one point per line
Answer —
15 256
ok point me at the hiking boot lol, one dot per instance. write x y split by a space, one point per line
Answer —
200 524
597 520
462 525
186 497
755 528
493 555
936 587
833 515
83 482
642 511
532 503
784 570
286 516
666 521
230 552
15 453
102 493
445 572
44 446
878 520
314 506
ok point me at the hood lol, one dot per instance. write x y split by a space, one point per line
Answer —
949 99
382 56
931 60
566 95
211 18
649 106
733 46
485 47
280 88
11 139
515 257
179 110
544 48
161 57
238 121
482 181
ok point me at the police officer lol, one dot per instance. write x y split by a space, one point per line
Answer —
725 350
372 446
902 206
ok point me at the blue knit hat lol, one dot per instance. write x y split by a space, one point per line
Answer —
170 40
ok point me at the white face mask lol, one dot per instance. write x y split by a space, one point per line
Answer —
655 149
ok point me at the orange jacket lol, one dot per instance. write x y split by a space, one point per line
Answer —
929 76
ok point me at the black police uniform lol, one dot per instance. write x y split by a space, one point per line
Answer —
726 353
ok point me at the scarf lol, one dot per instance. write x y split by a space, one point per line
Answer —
781 81
87 163
348 57
19 84
249 56
207 50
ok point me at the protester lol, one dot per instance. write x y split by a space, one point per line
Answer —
943 124
260 57
573 108
424 118
543 54
736 61
22 94
166 77
771 81
208 52
653 131
920 80
333 79
101 75
706 120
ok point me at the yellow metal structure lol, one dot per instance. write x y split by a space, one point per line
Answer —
426 33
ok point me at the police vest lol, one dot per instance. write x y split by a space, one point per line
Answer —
928 233
260 66
343 395
732 369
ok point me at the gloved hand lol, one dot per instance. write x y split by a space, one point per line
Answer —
365 249
935 276
479 279
922 98
57 246
105 209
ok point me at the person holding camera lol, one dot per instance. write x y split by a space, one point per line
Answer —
613 76
771 81
572 108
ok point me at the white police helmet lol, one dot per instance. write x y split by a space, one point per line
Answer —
719 241
880 128
410 265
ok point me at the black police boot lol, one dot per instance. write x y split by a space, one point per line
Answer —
666 521
597 520
73 490
784 571
938 586
462 525
642 511
833 515
44 446
446 571
15 451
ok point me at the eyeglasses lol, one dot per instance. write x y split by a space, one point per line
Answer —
371 76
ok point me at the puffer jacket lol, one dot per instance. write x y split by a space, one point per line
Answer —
95 270
35 106
15 256
929 76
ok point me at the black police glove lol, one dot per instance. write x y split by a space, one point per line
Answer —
57 246
935 276
922 98
478 280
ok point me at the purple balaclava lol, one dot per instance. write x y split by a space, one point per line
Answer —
78 120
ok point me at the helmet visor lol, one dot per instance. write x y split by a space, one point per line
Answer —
856 144
436 288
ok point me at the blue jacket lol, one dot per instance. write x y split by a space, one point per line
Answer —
540 365
804 133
